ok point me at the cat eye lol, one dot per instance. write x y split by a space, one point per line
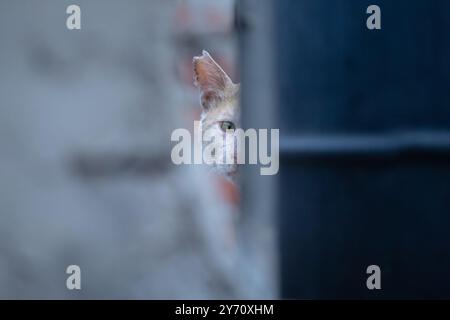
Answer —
226 125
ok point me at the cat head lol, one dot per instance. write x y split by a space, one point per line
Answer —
219 98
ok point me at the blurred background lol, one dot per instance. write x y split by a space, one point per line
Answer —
85 172
365 172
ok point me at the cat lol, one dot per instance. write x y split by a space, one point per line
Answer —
219 99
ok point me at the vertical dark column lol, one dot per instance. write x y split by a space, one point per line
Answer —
254 21
365 127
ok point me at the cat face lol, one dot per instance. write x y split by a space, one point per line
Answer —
219 98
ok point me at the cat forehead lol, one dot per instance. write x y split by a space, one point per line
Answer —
231 99
226 107
233 92
225 110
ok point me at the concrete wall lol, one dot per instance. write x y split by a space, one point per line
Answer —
85 173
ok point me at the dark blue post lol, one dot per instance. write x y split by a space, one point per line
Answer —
365 125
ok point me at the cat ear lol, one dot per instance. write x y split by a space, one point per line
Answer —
211 80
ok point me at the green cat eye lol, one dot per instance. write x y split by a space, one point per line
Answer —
226 125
